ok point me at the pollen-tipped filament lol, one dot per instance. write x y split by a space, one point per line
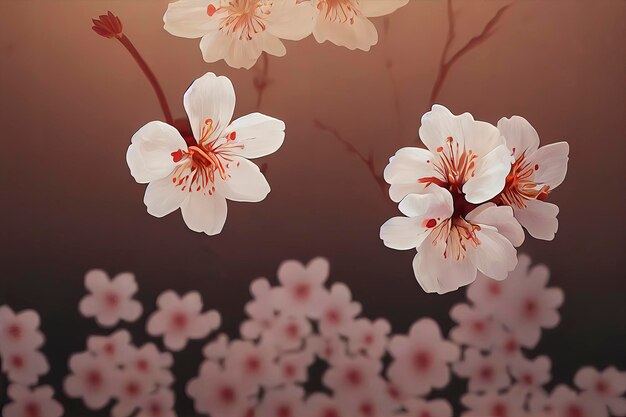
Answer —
243 18
520 185
339 11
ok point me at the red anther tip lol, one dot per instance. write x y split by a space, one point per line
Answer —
107 25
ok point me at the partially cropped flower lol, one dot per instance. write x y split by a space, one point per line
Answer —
531 374
369 338
19 330
93 379
110 300
24 366
288 332
282 402
115 348
322 405
474 327
346 23
608 386
199 175
421 359
373 402
534 174
179 319
238 31
261 310
158 404
494 404
452 247
302 286
433 408
485 372
352 375
337 310
150 364
565 402
130 390
38 402
253 363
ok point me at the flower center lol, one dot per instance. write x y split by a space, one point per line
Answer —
454 166
456 233
243 18
339 11
520 185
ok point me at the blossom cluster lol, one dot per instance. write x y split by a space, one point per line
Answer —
23 363
467 195
239 31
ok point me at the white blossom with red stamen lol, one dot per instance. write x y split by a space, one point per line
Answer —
19 330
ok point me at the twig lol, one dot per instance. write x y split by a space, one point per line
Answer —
445 63
262 81
392 80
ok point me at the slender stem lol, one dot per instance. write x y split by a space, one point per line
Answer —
262 81
149 75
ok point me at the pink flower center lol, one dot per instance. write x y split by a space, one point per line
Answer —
109 349
14 331
179 321
302 291
422 361
520 185
367 409
333 316
94 379
227 395
574 410
17 361
530 308
494 288
155 409
486 373
527 379
132 389
289 370
142 365
602 387
284 411
354 377
32 409
479 326
499 410
111 299
330 412
368 340
292 331
253 364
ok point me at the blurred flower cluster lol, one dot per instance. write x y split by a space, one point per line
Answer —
464 197
239 31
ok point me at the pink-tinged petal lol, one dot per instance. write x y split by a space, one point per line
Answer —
318 269
17 392
88 306
271 45
495 256
97 280
245 182
209 101
149 155
163 197
539 218
376 8
192 302
403 233
290 20
156 325
175 342
434 203
617 406
500 217
406 167
438 274
205 213
190 18
288 271
167 299
215 46
586 377
361 34
520 136
125 284
551 164
259 134
30 319
132 311
489 175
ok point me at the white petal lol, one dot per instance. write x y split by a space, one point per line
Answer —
403 233
209 97
435 203
520 136
539 218
407 166
163 197
500 217
489 175
375 8
551 161
398 191
216 45
259 134
149 155
271 44
495 256
361 34
189 18
438 274
290 20
245 182
204 213
97 280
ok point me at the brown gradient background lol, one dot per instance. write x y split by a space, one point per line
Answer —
71 100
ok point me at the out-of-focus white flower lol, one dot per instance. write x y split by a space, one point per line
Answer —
150 364
293 367
365 403
368 337
254 363
19 330
217 349
288 332
494 404
608 386
420 359
217 392
37 402
282 402
24 366
487 294
261 310
529 305
564 402
238 31
352 375
179 319
338 310
93 379
115 348
346 23
434 408
302 287
507 346
158 404
199 174
130 390
530 374
534 174
110 300
322 405
485 373
474 327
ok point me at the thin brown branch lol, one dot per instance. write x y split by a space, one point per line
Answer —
262 81
446 62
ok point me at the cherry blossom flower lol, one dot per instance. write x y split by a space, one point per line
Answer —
254 363
474 327
487 294
238 31
302 287
130 390
261 310
199 173
531 375
451 248
19 330
109 300
351 375
373 402
288 332
282 402
323 405
534 174
158 404
485 373
493 404
93 379
218 392
530 306
293 367
24 366
346 23
421 358
115 348
368 338
179 319
421 408
338 310
507 346
564 402
38 402
608 386
150 364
